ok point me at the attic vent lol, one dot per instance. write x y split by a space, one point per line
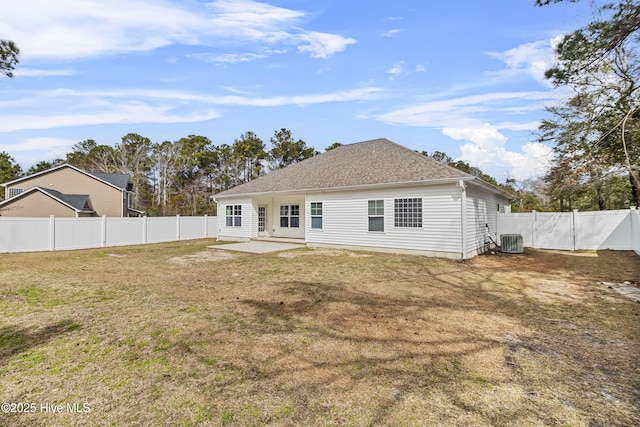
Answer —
511 243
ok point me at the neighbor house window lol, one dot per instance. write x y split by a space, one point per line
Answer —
316 215
234 215
14 192
407 212
289 216
376 215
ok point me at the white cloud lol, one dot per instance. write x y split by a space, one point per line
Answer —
69 29
528 59
486 144
390 33
34 72
485 149
233 58
38 144
396 69
534 161
33 150
117 114
466 111
146 106
323 45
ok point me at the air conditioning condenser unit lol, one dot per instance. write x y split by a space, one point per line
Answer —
511 244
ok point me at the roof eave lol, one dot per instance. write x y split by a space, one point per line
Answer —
350 187
53 169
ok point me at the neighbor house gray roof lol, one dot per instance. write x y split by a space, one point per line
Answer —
118 180
77 202
367 163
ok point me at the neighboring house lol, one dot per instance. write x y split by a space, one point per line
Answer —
374 195
68 191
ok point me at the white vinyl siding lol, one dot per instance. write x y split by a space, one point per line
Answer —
295 215
482 212
241 219
345 219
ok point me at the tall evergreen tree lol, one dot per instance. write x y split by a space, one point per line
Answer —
249 150
286 151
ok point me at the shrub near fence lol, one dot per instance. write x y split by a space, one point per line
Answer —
618 230
49 234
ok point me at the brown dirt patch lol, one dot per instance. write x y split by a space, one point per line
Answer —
319 338
204 256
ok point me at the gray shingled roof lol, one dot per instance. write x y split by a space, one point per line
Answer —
379 161
77 201
120 180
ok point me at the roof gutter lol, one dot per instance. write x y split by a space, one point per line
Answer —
352 187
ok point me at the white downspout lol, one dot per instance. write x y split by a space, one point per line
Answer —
463 211
218 217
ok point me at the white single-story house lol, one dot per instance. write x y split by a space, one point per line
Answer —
372 195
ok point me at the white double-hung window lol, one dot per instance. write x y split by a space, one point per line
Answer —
316 215
376 215
290 216
233 216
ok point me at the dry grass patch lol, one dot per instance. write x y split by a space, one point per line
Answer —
176 334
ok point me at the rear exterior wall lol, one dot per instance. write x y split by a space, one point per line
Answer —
345 220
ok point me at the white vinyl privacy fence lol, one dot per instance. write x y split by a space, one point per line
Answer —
49 234
618 230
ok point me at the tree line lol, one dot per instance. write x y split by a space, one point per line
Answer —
177 177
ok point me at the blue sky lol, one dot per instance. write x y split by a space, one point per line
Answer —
463 77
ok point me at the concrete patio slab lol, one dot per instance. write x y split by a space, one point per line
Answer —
258 247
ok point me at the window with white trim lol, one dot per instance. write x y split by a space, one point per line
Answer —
233 215
376 215
407 212
316 215
290 216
